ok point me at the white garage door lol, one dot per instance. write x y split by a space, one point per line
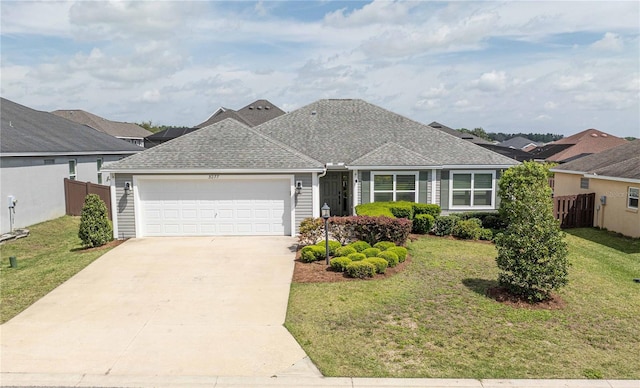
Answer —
210 207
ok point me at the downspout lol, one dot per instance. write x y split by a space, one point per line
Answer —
324 173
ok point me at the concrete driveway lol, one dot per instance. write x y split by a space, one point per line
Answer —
209 306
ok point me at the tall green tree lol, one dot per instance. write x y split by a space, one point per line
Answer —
532 253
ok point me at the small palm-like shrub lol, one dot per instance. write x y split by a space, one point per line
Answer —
345 251
400 251
95 228
339 264
384 245
357 256
371 252
390 257
380 264
359 245
361 270
312 253
333 245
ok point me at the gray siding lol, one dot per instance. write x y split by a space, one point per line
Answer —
444 190
303 201
423 187
365 190
438 185
124 208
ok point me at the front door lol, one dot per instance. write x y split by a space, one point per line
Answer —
334 191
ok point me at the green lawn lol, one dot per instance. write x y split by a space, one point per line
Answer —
434 320
47 258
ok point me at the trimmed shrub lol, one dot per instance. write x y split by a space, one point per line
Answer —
340 229
310 231
444 225
402 209
400 251
361 270
357 256
390 257
380 264
374 209
345 251
423 223
486 234
384 245
360 245
372 229
426 208
339 264
490 220
333 245
95 228
468 229
371 252
312 253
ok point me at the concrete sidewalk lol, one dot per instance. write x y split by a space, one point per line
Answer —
43 380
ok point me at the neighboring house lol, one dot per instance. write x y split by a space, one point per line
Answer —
520 143
462 135
130 132
512 153
614 175
590 141
231 179
37 151
254 114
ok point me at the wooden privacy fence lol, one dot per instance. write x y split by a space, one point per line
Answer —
76 191
574 211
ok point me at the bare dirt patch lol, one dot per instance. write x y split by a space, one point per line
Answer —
503 296
110 244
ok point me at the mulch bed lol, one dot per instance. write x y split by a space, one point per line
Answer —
501 295
319 272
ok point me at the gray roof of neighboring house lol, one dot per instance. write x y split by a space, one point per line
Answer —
518 142
226 145
113 128
466 136
25 130
345 131
254 114
622 161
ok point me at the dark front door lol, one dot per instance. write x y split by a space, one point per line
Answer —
334 191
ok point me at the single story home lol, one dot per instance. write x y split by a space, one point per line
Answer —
38 150
232 179
614 176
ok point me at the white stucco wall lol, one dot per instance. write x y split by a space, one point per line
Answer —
39 188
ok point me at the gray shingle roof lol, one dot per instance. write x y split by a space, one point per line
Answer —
227 145
622 161
343 131
113 128
25 130
518 142
466 136
256 113
392 154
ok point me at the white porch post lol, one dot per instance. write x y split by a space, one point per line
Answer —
354 194
315 195
433 185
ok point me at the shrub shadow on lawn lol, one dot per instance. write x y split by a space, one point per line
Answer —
607 238
480 286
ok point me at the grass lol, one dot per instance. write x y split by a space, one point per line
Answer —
47 258
434 320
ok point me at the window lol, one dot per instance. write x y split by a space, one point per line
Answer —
48 162
633 194
472 189
99 167
584 183
72 169
394 186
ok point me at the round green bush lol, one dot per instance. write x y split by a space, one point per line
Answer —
361 270
359 245
371 252
422 223
95 228
390 257
333 245
384 245
312 253
400 251
339 264
345 251
467 229
380 264
486 234
445 224
357 256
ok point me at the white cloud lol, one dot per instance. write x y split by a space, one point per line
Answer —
151 96
376 12
610 42
573 82
543 118
550 105
493 81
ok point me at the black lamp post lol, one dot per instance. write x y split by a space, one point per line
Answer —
326 213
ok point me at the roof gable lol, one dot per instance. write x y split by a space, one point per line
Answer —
226 145
392 154
590 141
256 113
113 128
25 130
622 161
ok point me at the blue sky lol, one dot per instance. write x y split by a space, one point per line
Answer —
558 67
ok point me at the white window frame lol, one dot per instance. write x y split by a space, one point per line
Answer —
73 175
472 172
584 182
394 191
99 162
629 196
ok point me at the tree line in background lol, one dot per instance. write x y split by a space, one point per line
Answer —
151 127
500 137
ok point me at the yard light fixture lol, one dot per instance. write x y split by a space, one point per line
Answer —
326 213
